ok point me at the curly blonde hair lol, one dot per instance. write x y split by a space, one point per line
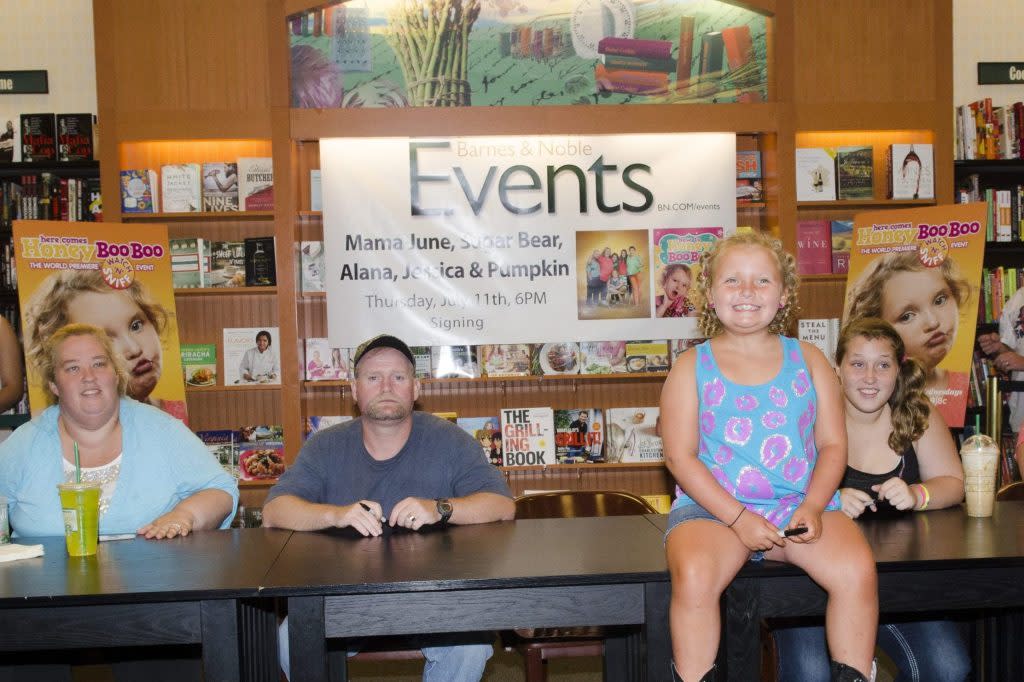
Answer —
908 403
48 308
46 357
864 298
709 323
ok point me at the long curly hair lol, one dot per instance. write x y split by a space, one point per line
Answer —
908 403
49 307
708 321
864 297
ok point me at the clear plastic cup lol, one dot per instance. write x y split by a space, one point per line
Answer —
80 504
980 457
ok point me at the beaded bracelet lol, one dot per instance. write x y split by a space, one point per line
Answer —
742 509
926 495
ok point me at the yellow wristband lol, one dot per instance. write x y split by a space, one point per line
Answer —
927 497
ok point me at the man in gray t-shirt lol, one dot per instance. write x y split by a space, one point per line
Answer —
396 466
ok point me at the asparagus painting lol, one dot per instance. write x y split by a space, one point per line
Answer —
431 41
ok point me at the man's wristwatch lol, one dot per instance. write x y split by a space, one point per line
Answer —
444 508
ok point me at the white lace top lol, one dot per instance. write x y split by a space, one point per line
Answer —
105 475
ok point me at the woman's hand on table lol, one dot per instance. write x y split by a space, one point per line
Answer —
854 502
897 492
170 525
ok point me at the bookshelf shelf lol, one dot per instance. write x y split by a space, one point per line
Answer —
198 216
227 291
240 387
484 381
865 203
585 467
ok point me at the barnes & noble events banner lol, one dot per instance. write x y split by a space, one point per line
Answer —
919 269
116 277
520 239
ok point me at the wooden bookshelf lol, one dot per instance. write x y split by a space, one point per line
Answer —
164 75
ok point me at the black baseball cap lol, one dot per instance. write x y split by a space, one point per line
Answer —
383 341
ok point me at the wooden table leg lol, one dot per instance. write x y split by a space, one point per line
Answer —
307 642
221 644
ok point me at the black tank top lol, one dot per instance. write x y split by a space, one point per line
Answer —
907 469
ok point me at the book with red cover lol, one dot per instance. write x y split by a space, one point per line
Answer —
739 48
635 47
631 82
685 60
813 247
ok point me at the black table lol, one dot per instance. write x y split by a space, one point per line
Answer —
940 560
199 589
528 573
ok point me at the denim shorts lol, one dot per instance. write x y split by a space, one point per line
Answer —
692 512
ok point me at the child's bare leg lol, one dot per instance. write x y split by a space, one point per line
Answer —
703 557
841 562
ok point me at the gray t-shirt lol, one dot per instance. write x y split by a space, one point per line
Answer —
438 460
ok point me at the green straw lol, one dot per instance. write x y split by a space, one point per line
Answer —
78 465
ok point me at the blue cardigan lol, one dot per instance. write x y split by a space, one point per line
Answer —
162 464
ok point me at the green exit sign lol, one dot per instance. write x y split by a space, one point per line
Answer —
23 83
1000 73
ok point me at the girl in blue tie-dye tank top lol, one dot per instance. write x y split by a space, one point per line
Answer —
755 437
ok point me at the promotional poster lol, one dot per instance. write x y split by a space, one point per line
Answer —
116 277
526 239
369 53
919 270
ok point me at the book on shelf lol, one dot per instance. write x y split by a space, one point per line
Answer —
822 332
739 46
911 170
813 247
140 191
324 363
245 362
261 452
748 164
224 445
855 178
712 54
1002 214
74 137
199 364
181 188
677 347
256 183
602 357
556 358
10 138
630 82
38 137
815 174
311 265
190 262
633 434
227 264
504 359
615 62
579 435
423 361
749 191
647 356
220 186
260 267
454 362
635 47
487 432
842 239
528 436
316 423
684 70
316 198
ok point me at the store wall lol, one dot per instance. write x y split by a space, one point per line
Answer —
55 36
985 31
